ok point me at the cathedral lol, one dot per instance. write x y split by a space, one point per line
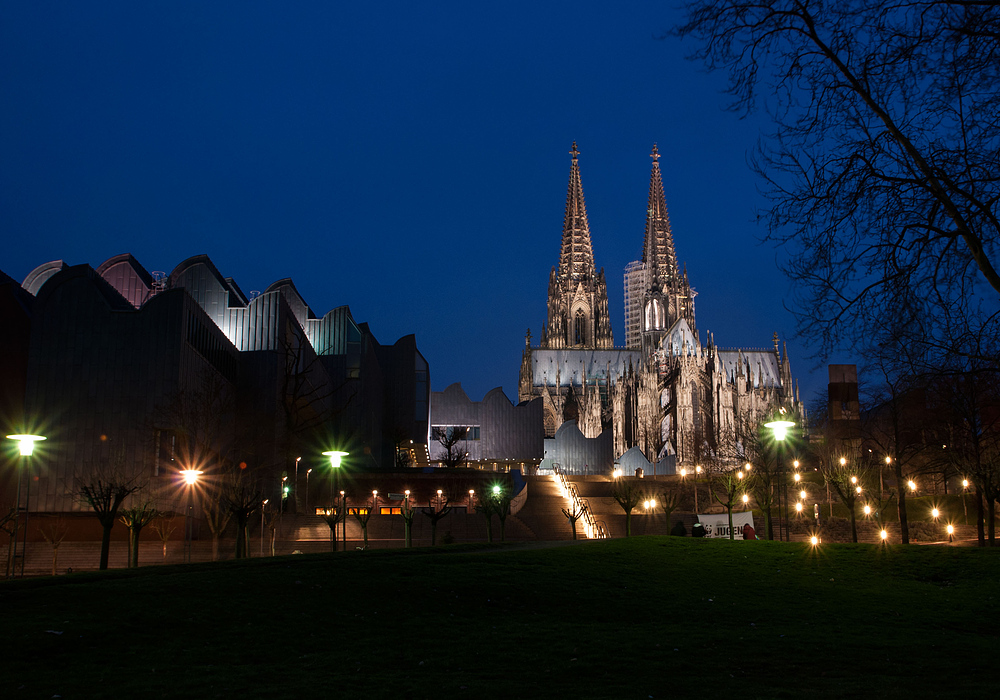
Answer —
662 391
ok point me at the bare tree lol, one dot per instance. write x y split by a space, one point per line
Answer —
104 489
436 513
669 500
573 515
140 513
164 527
970 402
407 511
363 515
54 531
727 481
627 493
332 516
243 497
881 167
450 439
852 472
487 507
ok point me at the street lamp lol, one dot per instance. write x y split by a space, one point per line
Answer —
697 473
951 533
912 485
295 494
336 457
262 504
308 472
780 430
26 445
190 477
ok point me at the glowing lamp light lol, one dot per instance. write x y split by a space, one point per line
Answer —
26 443
780 428
684 472
406 493
854 479
798 507
335 457
814 540
912 485
191 476
951 530
965 482
496 490
747 466
935 513
617 472
843 461
746 499
797 477
888 460
858 490
802 494
697 470
868 510
883 535
440 492
739 475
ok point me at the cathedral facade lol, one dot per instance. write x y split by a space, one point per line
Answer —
662 391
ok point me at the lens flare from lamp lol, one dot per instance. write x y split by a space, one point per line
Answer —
780 428
191 476
26 443
335 457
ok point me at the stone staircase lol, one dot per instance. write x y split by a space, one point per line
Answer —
542 514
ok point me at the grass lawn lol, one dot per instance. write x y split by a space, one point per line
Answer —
635 618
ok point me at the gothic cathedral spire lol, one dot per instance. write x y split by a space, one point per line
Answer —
578 297
576 258
667 296
658 250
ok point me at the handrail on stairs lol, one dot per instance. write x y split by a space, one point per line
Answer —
569 491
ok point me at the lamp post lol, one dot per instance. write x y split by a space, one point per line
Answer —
308 472
779 428
26 445
190 478
697 472
262 504
965 506
336 459
343 508
295 493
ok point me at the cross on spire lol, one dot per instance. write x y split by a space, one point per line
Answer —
655 155
574 152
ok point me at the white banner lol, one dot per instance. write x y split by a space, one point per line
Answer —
717 524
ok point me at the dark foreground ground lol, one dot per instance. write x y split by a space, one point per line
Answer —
646 617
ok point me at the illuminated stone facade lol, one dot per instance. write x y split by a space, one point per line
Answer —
663 391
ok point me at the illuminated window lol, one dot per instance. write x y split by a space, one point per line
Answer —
389 510
358 511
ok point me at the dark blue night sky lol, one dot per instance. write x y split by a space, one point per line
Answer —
407 159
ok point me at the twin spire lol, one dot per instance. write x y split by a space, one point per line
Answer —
658 249
576 259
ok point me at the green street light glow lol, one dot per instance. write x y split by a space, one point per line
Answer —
335 457
496 490
780 428
26 443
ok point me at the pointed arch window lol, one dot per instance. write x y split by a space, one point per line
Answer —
654 315
580 328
